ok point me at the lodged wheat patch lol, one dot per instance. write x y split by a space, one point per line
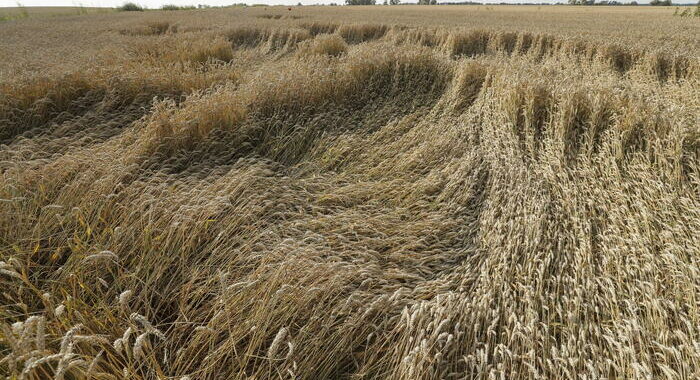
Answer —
288 196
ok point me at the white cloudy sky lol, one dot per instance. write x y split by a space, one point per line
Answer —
158 3
148 3
151 3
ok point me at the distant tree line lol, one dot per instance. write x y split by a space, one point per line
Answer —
133 7
607 2
130 7
173 7
470 2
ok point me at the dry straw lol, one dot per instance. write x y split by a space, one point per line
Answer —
352 199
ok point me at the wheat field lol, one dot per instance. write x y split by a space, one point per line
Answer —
412 192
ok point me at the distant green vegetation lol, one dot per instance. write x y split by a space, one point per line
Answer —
173 7
688 11
665 3
19 14
23 12
130 7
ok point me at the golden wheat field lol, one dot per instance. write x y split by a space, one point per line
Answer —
382 192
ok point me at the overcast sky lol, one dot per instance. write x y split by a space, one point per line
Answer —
148 3
158 3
